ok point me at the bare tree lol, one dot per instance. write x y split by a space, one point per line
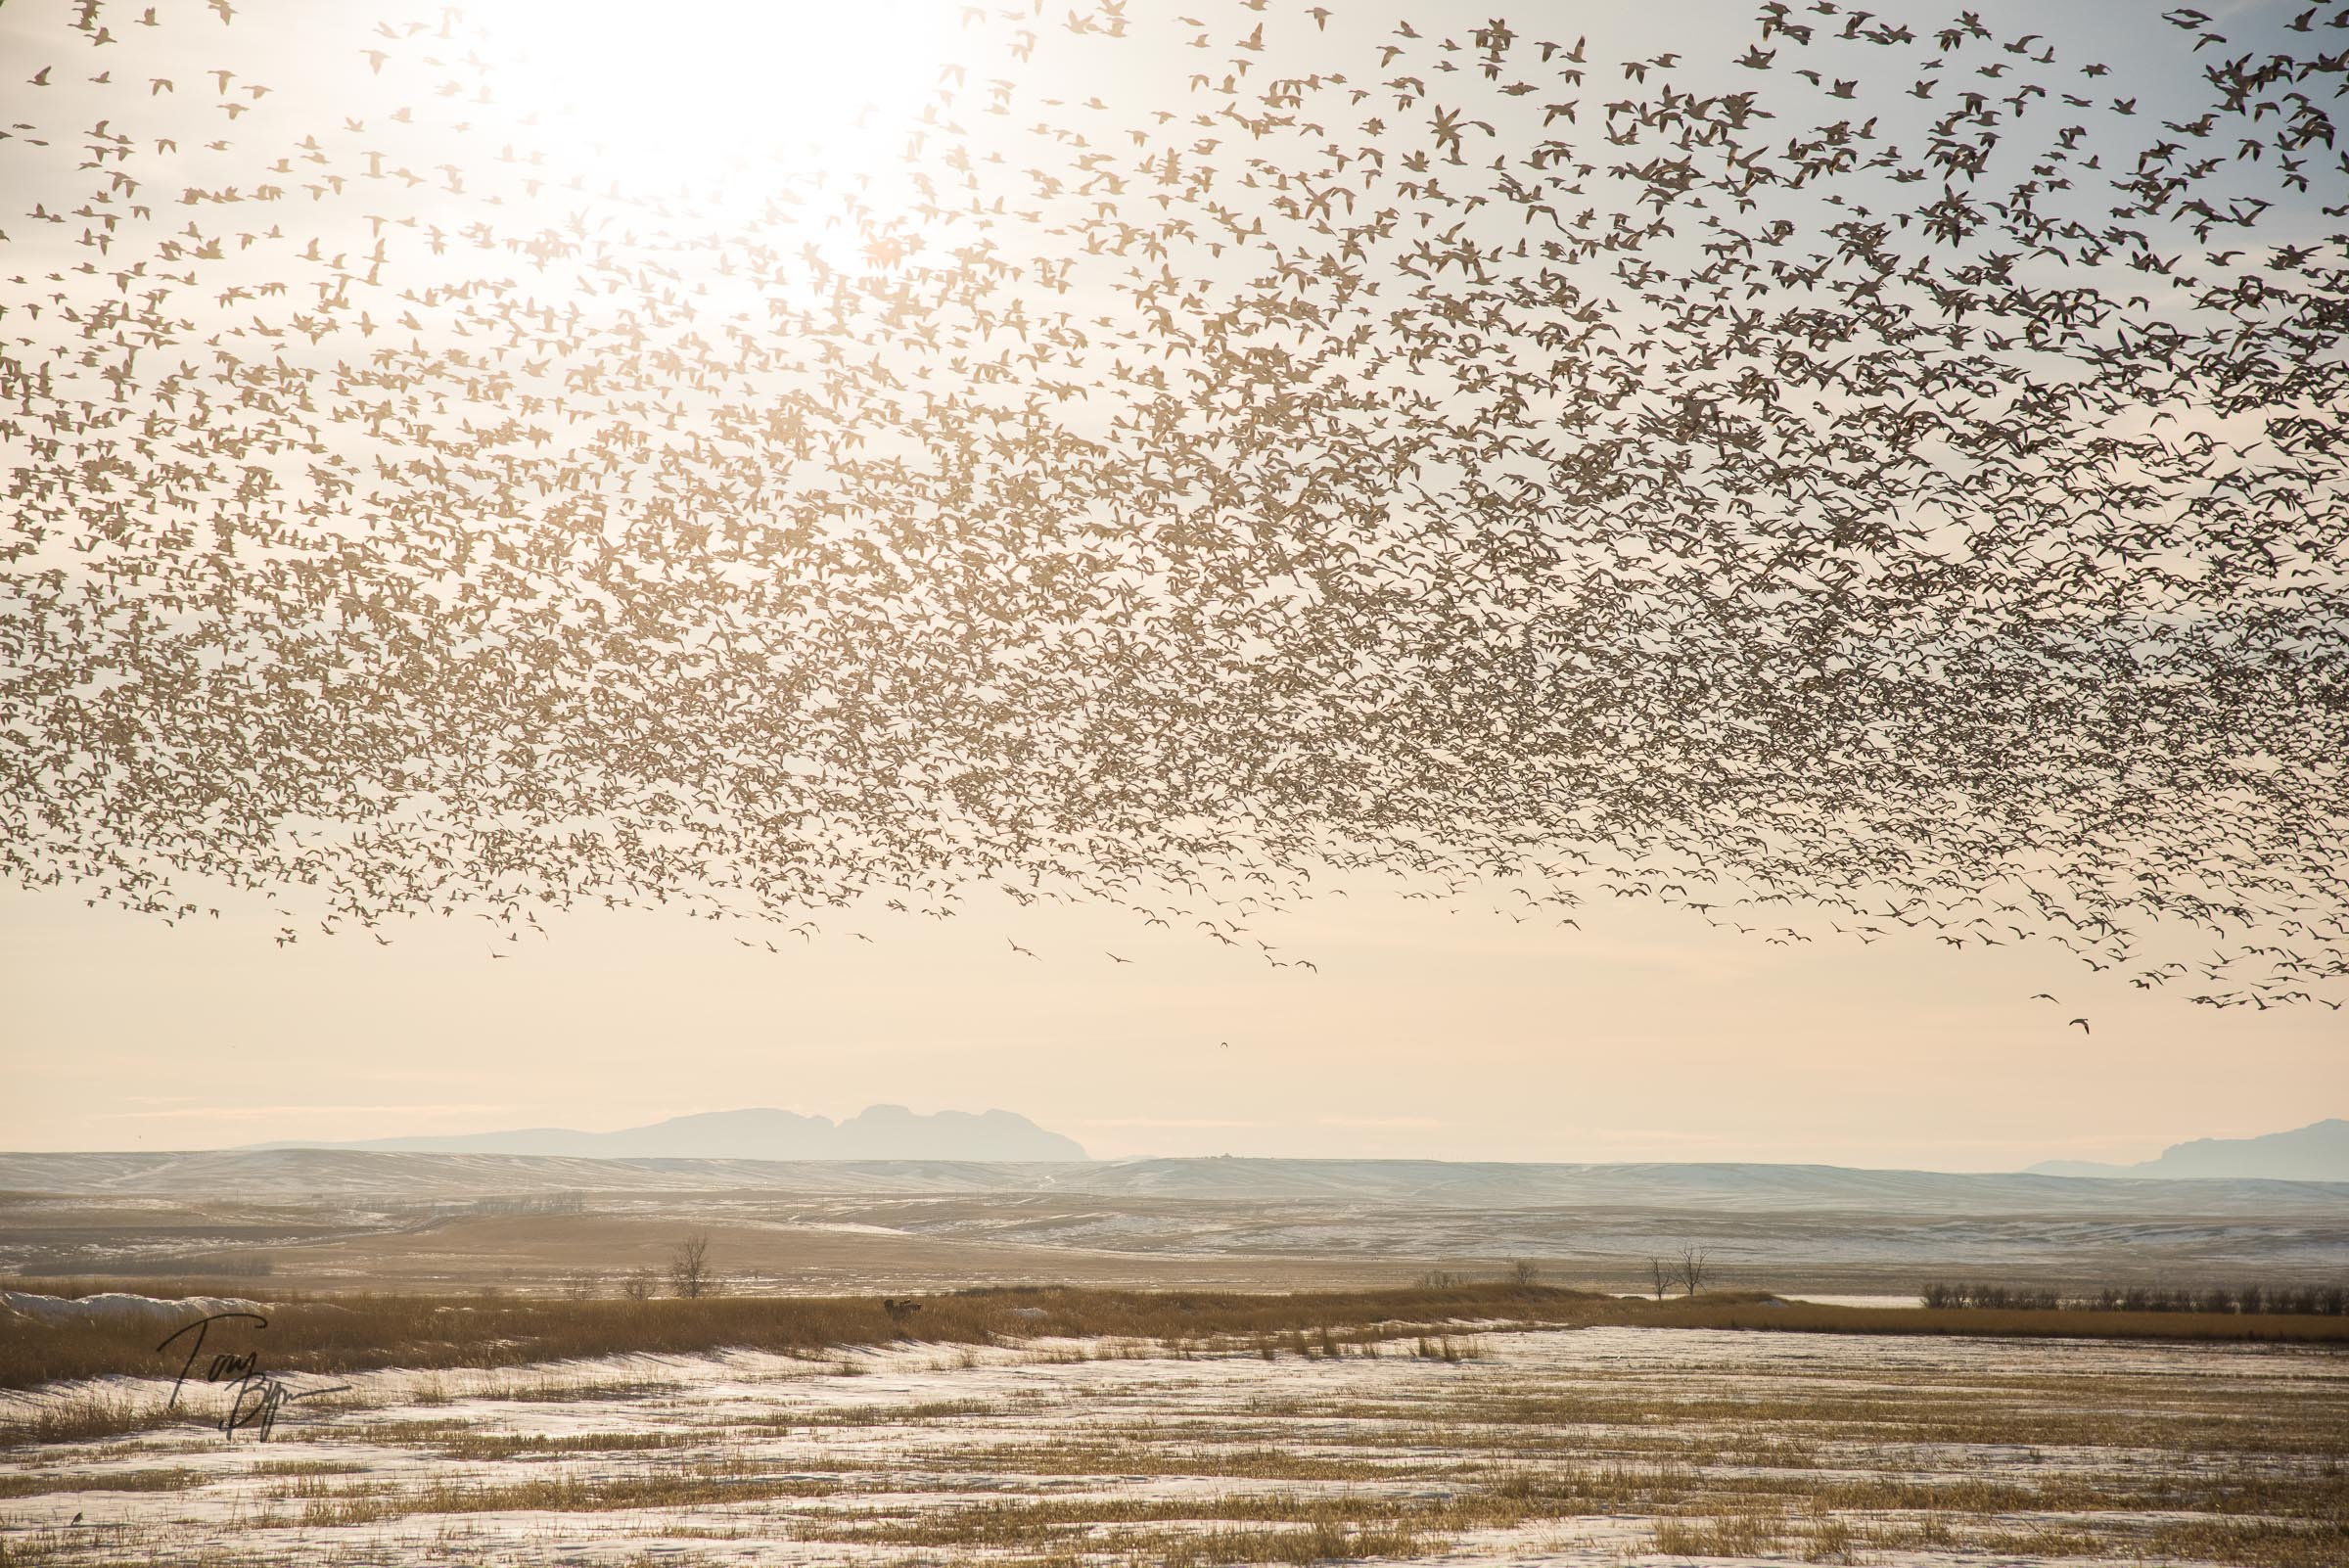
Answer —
1693 1267
689 1270
1524 1272
638 1284
1661 1274
578 1285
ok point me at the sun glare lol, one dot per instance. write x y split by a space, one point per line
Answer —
697 85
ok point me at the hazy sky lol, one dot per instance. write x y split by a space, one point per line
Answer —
1454 1036
1435 1030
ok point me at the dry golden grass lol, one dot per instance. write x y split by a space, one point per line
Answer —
35 1483
2261 1485
1130 1454
1705 1515
86 1418
884 1414
1749 1534
1362 1441
271 1467
1744 1456
724 1482
491 1446
359 1334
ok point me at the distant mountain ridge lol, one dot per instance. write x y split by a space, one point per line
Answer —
879 1132
2316 1152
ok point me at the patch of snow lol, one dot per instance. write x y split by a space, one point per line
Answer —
116 1306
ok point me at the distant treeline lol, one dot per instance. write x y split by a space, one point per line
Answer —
2314 1301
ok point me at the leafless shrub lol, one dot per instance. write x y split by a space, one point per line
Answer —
1693 1269
690 1272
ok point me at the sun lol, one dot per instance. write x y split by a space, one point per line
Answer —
672 89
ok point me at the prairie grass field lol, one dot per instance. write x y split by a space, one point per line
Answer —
1475 1424
364 1332
291 1223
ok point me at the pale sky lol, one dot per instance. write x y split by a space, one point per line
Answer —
1425 1033
1429 1030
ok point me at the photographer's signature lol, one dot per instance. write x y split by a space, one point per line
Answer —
256 1396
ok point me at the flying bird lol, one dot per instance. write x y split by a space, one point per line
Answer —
1349 447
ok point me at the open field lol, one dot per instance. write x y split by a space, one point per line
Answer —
1180 1362
344 1220
1246 1440
340 1335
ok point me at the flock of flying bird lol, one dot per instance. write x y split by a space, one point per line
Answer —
1883 469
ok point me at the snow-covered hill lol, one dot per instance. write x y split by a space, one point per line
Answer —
415 1176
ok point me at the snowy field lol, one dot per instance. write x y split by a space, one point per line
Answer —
1599 1445
440 1223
